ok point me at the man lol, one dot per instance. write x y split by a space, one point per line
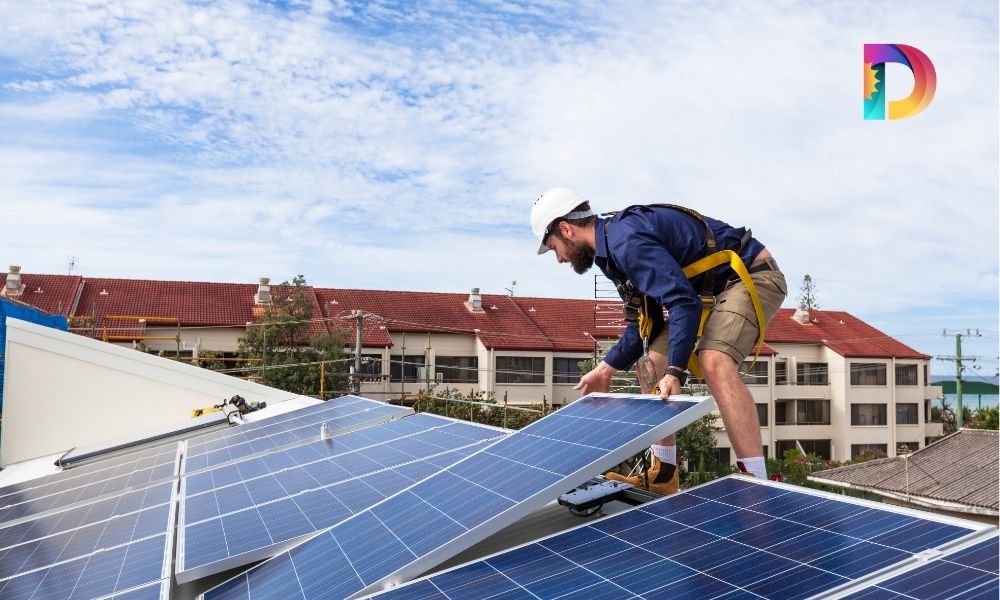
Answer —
643 250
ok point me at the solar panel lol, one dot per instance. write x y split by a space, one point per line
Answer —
97 471
731 538
969 572
86 514
234 516
468 501
36 501
119 560
238 443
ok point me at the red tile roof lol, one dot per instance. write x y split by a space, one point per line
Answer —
521 323
54 294
842 332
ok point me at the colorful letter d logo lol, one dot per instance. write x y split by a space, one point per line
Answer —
924 81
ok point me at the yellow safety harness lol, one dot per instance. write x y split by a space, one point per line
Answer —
705 265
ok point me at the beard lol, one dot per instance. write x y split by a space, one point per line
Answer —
581 256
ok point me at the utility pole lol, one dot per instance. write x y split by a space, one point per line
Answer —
359 317
958 359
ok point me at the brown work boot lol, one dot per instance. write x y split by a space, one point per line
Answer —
663 478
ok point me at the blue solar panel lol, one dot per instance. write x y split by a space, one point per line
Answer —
87 514
116 558
245 520
41 500
96 575
160 458
239 443
970 573
464 503
731 538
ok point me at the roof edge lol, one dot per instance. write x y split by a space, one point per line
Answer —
923 501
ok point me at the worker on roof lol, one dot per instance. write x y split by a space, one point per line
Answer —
656 256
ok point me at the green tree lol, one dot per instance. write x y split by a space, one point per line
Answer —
291 346
987 417
807 297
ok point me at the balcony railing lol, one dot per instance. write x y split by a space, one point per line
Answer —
805 392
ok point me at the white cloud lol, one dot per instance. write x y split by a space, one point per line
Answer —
380 146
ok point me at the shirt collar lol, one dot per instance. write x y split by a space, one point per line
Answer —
600 240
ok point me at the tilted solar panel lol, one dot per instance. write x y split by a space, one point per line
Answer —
969 572
117 561
239 445
468 501
731 538
228 521
57 497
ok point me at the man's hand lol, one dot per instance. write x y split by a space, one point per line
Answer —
597 380
669 386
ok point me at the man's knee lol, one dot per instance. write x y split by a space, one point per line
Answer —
714 363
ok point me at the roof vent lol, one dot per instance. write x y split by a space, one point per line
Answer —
103 293
39 290
532 309
263 295
13 285
494 307
801 315
475 301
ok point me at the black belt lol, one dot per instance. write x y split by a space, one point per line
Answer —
768 264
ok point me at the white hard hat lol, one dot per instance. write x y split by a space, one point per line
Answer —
551 205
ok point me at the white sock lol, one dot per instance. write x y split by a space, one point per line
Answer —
667 454
755 466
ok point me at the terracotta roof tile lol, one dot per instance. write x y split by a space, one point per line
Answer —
842 332
54 294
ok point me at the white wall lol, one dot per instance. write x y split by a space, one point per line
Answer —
62 390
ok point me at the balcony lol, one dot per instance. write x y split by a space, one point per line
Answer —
805 392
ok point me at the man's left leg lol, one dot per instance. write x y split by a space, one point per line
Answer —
739 413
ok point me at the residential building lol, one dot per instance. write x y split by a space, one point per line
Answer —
824 382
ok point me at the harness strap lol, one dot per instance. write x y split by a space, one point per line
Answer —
708 302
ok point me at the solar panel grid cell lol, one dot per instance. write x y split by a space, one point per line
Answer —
437 517
969 574
728 539
18 507
233 524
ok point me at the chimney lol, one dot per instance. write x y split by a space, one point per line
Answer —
13 286
475 301
263 295
801 315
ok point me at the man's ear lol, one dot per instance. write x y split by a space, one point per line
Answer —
566 230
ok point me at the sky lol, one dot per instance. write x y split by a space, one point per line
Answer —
395 145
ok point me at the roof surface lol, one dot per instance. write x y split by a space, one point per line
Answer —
961 468
505 323
842 332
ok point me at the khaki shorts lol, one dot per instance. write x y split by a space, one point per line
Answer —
732 325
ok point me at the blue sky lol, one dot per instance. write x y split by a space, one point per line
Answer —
399 145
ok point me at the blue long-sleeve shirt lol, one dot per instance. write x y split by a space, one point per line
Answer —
649 246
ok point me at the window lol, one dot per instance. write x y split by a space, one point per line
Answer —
867 373
907 447
412 367
762 414
520 369
927 378
868 414
371 364
879 449
780 373
457 369
906 374
812 374
820 448
566 370
719 456
780 413
906 414
812 412
755 375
